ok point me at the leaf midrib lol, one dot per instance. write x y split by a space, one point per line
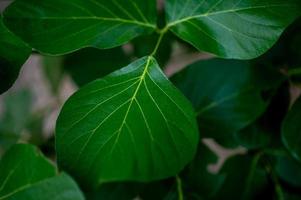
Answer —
207 14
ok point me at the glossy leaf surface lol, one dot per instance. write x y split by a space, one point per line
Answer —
59 26
26 174
231 29
131 125
13 54
291 130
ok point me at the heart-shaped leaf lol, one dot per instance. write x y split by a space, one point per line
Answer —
226 93
231 29
291 130
26 174
13 54
60 26
131 125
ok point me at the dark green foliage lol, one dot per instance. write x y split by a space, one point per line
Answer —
130 132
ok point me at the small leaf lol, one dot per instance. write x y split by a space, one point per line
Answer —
59 26
17 109
231 29
291 130
132 125
13 54
26 174
225 101
89 64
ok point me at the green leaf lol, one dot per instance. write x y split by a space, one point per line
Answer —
59 26
26 174
266 131
253 137
198 177
244 178
13 54
115 191
291 130
289 170
231 29
17 109
89 64
224 93
132 125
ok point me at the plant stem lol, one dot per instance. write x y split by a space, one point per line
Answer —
179 188
273 176
161 35
251 174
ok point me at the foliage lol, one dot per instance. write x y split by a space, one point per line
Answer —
132 132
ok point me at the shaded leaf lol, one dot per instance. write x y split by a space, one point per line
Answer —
244 178
291 130
288 170
26 174
198 178
131 125
13 54
89 64
223 27
224 93
17 108
59 26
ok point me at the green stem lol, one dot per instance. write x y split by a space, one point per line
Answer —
278 189
179 188
251 174
161 35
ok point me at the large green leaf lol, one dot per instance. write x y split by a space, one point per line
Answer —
26 174
291 130
231 29
226 94
13 54
131 125
60 26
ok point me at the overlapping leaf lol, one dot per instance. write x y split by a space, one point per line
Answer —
291 130
60 26
26 174
131 125
226 94
13 54
97 63
240 29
